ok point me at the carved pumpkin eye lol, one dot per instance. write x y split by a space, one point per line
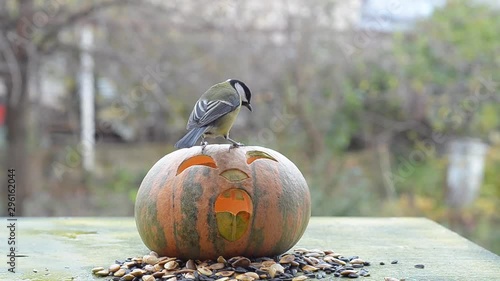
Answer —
202 160
255 155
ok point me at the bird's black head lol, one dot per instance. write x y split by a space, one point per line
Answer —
243 91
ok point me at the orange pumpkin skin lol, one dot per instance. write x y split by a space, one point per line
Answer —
249 201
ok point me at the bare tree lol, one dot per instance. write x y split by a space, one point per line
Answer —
28 32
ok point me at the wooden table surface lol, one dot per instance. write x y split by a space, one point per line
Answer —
67 248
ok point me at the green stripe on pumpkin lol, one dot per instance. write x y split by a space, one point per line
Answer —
187 236
256 239
214 237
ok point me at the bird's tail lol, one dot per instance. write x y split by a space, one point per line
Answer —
190 138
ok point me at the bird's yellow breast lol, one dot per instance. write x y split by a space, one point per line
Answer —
222 125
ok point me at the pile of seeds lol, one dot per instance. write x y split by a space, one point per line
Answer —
299 265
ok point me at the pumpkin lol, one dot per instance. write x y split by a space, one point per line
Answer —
247 201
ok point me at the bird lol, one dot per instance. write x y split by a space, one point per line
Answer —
214 113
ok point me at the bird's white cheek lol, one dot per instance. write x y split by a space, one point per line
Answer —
239 89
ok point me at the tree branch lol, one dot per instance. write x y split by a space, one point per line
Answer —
55 28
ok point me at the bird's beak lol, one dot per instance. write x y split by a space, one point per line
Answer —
248 106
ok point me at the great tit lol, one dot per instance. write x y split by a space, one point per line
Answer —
214 113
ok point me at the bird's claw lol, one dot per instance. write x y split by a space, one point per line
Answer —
235 145
203 145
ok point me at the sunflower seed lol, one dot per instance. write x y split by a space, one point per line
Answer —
298 265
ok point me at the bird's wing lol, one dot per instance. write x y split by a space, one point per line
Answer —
206 112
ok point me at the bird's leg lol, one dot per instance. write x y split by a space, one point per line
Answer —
235 143
203 143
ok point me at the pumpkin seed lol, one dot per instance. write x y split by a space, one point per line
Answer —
225 273
150 259
130 264
311 260
357 261
103 272
301 265
323 266
275 269
217 266
241 262
158 274
287 258
120 272
114 267
171 265
96 269
137 272
243 277
268 263
153 253
334 260
190 264
300 250
253 275
363 272
204 270
203 264
148 278
299 278
309 268
347 272
184 270
128 277
166 260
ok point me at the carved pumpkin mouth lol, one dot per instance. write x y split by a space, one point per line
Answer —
233 210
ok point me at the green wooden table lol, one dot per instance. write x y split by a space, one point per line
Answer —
67 248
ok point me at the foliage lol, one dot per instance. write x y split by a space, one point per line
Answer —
452 59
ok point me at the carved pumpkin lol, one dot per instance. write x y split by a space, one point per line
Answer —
249 201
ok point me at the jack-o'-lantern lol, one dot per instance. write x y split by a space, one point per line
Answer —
200 204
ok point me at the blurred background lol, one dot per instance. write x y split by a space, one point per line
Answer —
389 108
